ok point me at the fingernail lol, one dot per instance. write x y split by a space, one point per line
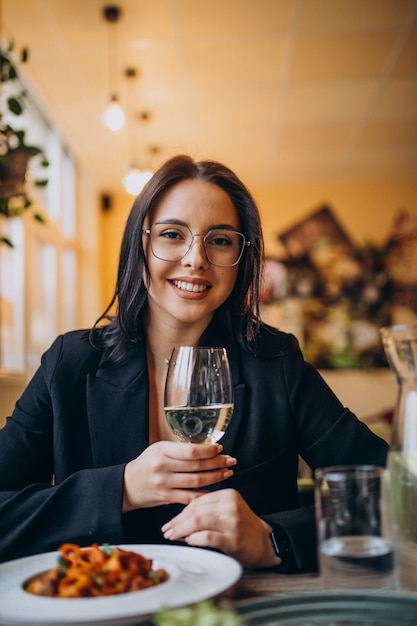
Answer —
227 473
231 461
168 534
219 448
165 527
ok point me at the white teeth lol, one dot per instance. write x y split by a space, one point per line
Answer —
181 284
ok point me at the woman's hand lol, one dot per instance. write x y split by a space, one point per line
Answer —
222 520
173 473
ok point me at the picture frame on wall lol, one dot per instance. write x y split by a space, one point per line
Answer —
321 225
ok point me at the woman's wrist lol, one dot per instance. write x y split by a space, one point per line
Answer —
126 503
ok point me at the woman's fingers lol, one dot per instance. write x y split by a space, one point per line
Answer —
201 465
165 470
190 451
211 513
224 521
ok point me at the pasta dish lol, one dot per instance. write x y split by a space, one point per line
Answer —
96 571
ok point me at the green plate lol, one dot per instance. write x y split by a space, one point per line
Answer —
332 609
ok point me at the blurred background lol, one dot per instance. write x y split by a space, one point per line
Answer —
313 103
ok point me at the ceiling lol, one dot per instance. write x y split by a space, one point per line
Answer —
283 91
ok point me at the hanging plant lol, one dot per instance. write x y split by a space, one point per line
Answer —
15 152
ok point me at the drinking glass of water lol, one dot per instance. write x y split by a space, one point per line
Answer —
198 398
353 547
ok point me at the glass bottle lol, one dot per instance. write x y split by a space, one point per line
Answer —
400 345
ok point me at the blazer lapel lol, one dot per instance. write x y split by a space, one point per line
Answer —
229 438
117 407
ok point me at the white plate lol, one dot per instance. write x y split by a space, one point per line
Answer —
195 574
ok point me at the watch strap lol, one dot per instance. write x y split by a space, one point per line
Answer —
281 543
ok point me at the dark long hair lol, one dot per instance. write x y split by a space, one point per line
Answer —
240 311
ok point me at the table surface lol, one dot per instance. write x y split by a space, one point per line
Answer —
256 584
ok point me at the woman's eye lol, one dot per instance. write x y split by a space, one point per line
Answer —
171 234
220 240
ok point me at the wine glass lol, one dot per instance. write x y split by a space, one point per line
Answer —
198 400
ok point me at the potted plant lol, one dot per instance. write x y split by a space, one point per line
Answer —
15 152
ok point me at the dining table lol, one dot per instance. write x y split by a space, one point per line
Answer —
260 583
269 598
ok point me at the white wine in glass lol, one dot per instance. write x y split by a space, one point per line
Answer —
198 399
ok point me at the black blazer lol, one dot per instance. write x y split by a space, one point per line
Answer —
79 421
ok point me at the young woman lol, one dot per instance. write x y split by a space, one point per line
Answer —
87 455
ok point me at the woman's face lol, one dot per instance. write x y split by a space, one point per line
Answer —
190 290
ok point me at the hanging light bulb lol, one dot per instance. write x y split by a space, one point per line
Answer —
113 116
136 179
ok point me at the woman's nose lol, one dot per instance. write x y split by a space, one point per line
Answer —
196 255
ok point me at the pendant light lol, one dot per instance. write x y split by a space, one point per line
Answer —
136 178
113 116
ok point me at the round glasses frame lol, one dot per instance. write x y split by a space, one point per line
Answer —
245 243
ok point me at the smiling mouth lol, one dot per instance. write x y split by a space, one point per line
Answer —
195 288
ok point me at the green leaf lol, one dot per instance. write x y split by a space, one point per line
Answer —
39 218
33 150
107 549
7 242
4 206
15 211
24 55
14 106
62 566
12 72
41 183
20 134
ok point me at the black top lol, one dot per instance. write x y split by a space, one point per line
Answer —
79 421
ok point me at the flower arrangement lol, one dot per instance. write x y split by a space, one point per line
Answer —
342 329
344 294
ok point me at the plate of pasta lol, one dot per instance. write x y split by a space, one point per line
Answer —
109 585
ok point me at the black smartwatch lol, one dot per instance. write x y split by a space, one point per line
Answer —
280 543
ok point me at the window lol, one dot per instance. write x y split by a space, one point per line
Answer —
12 287
38 277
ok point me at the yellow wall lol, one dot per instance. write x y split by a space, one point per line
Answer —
112 227
365 209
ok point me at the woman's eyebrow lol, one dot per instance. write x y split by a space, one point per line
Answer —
168 220
223 227
182 223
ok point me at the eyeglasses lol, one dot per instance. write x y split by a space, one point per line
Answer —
172 242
